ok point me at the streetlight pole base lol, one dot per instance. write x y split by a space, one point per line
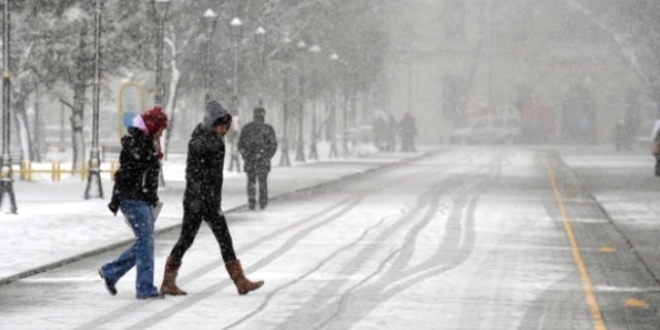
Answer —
7 187
284 160
94 175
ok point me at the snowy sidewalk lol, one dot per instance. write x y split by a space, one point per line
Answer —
55 225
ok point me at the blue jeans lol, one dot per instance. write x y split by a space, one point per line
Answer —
141 254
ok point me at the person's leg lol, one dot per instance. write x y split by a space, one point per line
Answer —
142 224
192 220
113 271
263 189
251 189
220 230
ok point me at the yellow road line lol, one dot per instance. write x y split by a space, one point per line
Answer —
584 275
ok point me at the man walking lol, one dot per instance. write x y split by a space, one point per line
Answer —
257 144
408 133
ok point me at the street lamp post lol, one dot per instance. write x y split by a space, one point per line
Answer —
284 160
334 58
6 180
344 134
313 153
210 19
95 159
260 35
162 7
300 152
236 27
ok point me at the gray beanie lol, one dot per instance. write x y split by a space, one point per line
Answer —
216 115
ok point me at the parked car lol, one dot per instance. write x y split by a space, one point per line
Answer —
488 130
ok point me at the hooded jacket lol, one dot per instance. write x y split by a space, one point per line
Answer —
257 143
205 161
139 167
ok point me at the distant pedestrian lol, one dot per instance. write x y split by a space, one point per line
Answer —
135 193
655 145
620 135
408 133
390 136
202 200
257 144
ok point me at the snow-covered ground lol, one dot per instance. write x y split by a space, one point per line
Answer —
55 224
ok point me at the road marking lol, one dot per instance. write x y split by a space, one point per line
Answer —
636 303
577 257
604 288
589 221
606 249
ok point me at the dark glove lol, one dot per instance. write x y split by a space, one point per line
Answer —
114 206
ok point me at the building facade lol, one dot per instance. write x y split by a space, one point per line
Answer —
453 60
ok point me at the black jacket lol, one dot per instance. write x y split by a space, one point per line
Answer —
204 165
257 144
139 167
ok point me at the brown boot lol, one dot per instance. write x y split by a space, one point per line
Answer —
243 285
169 279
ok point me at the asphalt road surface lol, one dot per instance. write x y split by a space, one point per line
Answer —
468 238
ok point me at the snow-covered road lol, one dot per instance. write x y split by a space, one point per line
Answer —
469 238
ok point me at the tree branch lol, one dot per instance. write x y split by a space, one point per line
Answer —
65 102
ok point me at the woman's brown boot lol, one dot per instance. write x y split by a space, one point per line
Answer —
243 285
169 279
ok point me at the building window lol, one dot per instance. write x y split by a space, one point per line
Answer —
455 19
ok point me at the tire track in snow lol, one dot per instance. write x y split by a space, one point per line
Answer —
336 211
359 300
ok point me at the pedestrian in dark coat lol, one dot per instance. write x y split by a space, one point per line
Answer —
257 144
202 200
408 133
135 193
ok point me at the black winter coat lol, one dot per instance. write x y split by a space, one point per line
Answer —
257 144
139 167
204 166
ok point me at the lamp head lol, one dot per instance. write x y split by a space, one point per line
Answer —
236 22
210 14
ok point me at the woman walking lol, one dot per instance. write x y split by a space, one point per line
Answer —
135 193
202 200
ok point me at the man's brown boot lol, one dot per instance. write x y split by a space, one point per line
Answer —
243 285
169 279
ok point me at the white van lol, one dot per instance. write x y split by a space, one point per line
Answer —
488 130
